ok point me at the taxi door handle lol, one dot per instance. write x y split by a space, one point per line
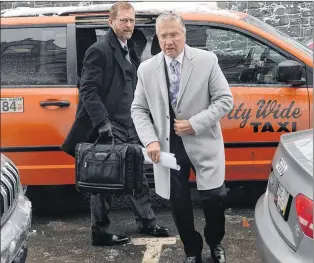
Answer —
59 103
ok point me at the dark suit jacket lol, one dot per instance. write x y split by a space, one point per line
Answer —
100 90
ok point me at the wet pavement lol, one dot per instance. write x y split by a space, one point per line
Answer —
61 230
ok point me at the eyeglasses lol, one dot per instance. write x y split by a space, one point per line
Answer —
126 20
172 36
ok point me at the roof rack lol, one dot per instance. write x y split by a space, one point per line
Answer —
100 19
66 13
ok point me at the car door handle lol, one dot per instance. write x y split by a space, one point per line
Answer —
59 103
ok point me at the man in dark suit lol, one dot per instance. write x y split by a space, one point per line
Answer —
107 85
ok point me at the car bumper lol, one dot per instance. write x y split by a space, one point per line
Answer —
14 232
270 245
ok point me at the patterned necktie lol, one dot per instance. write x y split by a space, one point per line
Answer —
174 82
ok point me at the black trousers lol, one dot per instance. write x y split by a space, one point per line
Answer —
100 204
213 204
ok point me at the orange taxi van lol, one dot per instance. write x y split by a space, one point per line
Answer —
41 60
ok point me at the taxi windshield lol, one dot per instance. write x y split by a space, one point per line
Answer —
271 30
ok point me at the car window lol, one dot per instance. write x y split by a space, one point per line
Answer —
278 33
242 59
143 38
33 56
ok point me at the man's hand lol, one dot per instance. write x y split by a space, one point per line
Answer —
153 151
105 129
183 127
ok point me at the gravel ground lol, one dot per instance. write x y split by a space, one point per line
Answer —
61 229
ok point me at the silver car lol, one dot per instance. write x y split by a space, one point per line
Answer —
15 215
284 214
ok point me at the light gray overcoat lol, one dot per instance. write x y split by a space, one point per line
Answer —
204 99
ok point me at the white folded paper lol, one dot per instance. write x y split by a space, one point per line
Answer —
166 159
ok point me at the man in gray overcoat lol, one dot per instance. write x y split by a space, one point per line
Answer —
180 97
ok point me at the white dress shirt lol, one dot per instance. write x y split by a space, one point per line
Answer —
179 58
123 45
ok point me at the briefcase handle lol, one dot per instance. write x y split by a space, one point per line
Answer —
95 143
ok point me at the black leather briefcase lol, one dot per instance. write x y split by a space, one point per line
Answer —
109 168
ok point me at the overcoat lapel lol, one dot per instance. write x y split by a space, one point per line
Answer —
161 78
116 49
186 72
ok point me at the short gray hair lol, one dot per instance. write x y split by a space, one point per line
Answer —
169 16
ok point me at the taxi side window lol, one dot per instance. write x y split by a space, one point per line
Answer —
242 59
33 56
143 38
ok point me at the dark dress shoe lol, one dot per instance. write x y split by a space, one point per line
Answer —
156 230
196 259
218 254
106 239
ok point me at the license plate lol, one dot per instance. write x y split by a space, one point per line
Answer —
283 201
9 105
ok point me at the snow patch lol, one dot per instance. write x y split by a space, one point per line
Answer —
271 18
140 7
159 7
278 7
303 8
264 8
33 11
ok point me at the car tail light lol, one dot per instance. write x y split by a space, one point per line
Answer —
304 207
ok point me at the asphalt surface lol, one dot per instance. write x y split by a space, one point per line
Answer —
61 229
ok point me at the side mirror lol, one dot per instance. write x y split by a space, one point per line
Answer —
290 72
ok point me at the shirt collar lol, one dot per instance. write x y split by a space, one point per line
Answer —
179 58
123 44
